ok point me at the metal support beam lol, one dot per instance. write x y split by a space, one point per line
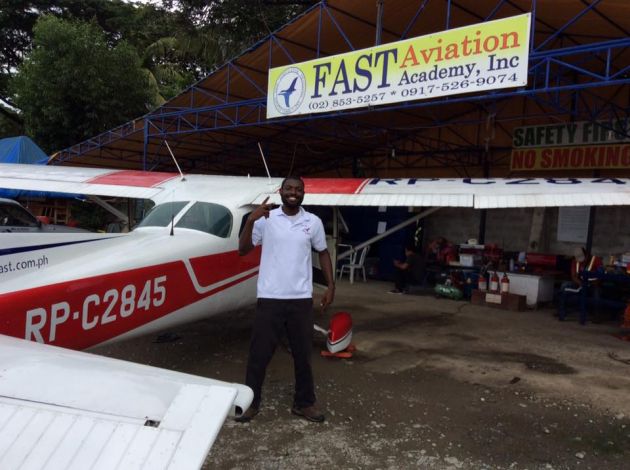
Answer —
109 208
379 21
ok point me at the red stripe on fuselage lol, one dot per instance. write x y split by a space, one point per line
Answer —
332 185
211 269
81 313
144 179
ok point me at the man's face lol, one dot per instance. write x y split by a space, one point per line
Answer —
292 193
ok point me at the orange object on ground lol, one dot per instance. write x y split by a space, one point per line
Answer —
345 354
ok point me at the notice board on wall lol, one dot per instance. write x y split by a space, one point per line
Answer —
573 224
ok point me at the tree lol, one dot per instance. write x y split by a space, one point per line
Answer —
140 25
178 42
238 24
74 84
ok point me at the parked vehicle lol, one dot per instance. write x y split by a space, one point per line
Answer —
15 218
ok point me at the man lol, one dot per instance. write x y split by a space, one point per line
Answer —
580 263
410 271
285 292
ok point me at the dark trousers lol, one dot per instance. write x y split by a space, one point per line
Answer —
404 278
593 291
274 317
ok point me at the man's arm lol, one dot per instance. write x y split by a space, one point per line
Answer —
326 264
401 264
245 244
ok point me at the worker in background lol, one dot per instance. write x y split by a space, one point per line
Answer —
579 264
411 271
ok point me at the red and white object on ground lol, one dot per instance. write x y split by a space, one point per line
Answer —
338 336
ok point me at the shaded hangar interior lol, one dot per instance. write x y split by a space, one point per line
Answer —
578 71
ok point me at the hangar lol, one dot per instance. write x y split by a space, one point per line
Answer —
577 71
567 118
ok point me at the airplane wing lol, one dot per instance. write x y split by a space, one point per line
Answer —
76 180
478 193
68 409
468 192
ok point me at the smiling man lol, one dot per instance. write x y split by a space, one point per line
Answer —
285 292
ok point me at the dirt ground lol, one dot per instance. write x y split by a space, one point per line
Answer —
434 383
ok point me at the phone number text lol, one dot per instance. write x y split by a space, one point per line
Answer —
426 90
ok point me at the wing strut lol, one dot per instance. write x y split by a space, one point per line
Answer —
395 228
109 208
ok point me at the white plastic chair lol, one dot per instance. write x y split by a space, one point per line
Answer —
357 262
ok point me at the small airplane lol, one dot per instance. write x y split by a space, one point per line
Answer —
69 291
181 263
288 92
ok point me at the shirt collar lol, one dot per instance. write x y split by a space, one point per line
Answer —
301 213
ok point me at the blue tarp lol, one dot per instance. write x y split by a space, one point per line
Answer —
23 150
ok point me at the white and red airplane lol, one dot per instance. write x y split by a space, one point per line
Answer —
179 265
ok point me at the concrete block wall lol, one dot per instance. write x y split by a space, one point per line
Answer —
612 230
510 229
455 224
611 234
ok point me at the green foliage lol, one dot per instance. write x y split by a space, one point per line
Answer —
138 25
240 23
86 66
75 85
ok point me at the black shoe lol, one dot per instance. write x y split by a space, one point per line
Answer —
310 413
247 416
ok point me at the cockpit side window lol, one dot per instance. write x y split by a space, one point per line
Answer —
162 214
207 217
243 221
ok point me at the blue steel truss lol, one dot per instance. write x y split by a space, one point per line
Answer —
557 65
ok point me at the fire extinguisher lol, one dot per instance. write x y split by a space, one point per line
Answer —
482 283
494 282
505 284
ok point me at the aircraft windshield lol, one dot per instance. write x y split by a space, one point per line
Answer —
161 215
207 217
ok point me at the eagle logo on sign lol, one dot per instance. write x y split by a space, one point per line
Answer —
289 91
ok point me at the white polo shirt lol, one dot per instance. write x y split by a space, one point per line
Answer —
286 270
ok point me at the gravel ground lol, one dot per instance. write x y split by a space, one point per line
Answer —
434 384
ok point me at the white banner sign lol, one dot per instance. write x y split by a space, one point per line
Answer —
573 224
484 56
